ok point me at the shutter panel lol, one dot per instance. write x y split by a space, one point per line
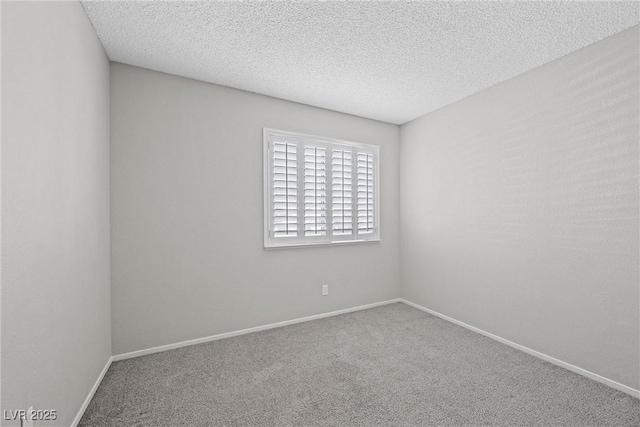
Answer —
341 192
319 190
315 191
365 194
285 189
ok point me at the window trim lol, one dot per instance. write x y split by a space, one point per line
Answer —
329 240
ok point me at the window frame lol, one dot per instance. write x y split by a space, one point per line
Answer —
299 139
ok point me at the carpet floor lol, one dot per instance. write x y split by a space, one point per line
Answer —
392 365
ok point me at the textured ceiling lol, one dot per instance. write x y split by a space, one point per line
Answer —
390 61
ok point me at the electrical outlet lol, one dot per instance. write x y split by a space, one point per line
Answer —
325 290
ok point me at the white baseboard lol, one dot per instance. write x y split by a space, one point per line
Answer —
599 378
247 331
132 354
85 404
613 384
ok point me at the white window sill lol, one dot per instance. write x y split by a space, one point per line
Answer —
312 244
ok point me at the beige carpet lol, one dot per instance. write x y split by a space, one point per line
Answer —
388 366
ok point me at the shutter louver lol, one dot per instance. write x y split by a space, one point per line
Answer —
365 194
341 192
315 191
285 189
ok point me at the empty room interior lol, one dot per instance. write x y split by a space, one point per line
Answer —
320 213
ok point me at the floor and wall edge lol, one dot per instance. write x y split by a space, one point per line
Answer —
92 392
603 380
599 378
248 330
162 348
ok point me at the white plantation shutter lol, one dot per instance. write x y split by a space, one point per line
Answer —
285 189
365 193
319 190
315 191
342 192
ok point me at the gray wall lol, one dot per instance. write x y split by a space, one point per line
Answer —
520 209
187 214
55 207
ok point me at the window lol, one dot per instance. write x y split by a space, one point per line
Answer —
319 190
